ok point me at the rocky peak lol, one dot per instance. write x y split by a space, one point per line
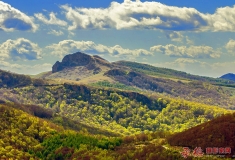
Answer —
75 59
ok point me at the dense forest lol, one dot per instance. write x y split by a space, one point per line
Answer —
11 80
24 136
217 133
120 111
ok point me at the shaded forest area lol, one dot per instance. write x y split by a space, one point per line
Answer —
219 132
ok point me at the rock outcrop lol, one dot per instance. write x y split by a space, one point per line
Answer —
73 60
81 59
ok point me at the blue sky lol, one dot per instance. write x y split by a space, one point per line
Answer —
193 36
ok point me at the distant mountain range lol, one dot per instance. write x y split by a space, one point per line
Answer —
229 76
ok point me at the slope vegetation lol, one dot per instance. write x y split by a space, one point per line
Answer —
114 110
11 80
218 132
193 90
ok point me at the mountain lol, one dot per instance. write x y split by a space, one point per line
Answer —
229 76
79 66
80 59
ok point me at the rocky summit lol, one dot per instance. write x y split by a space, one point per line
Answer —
73 60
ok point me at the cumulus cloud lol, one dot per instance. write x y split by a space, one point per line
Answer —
230 46
53 19
13 19
223 19
187 52
67 46
136 14
19 49
56 33
149 15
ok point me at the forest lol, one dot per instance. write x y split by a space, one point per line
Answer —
121 111
25 136
104 120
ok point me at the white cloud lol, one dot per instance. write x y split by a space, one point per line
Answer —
223 19
4 64
136 14
19 49
56 33
25 69
187 52
12 19
230 46
149 15
53 20
69 46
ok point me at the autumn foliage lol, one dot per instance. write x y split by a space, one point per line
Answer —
219 132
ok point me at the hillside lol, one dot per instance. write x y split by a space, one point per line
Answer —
24 136
124 112
218 132
168 73
198 91
12 80
21 132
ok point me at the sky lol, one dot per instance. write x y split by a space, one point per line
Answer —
197 37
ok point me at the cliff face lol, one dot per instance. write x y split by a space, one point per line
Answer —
73 60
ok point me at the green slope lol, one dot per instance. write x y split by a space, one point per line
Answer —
119 111
169 73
